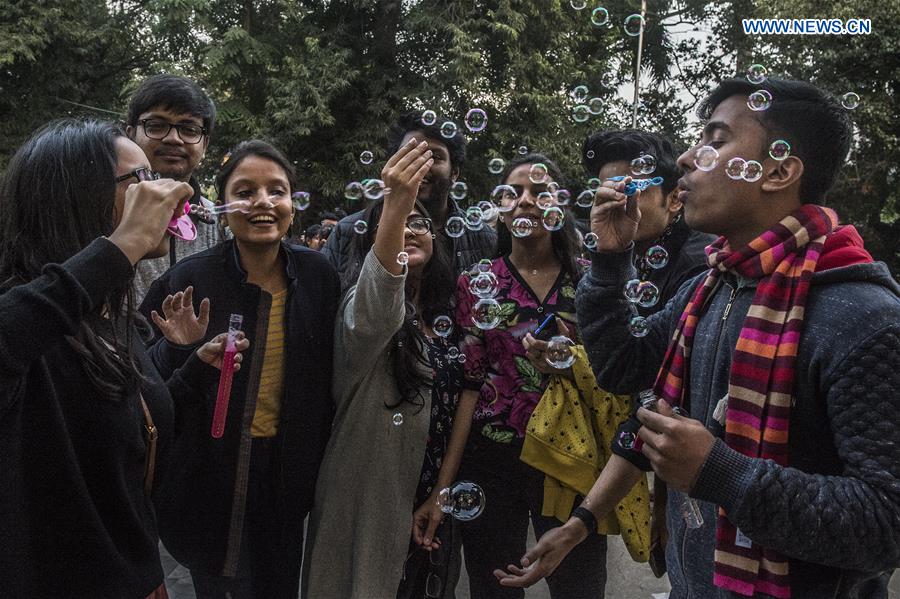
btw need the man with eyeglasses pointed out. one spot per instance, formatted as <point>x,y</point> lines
<point>171,118</point>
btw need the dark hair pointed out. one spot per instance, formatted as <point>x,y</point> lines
<point>603,147</point>
<point>312,231</point>
<point>245,149</point>
<point>57,197</point>
<point>329,215</point>
<point>412,121</point>
<point>171,92</point>
<point>437,289</point>
<point>813,122</point>
<point>565,240</point>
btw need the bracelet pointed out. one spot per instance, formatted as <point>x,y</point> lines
<point>587,517</point>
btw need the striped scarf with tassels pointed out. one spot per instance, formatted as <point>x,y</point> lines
<point>761,381</point>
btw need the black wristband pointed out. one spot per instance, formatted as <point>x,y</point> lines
<point>587,517</point>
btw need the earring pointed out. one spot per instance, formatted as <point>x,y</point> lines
<point>433,236</point>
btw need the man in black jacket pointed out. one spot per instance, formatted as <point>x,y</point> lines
<point>608,154</point>
<point>449,154</point>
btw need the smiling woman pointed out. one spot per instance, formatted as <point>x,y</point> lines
<point>222,512</point>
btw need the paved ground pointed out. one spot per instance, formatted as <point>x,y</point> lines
<point>627,579</point>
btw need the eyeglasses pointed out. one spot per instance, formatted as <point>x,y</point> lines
<point>157,129</point>
<point>419,226</point>
<point>141,174</point>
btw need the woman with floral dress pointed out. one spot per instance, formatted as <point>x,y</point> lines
<point>505,375</point>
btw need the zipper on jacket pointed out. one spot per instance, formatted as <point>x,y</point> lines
<point>727,311</point>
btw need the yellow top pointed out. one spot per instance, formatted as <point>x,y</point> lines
<point>271,384</point>
<point>568,439</point>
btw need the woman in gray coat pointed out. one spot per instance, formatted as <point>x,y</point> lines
<point>396,380</point>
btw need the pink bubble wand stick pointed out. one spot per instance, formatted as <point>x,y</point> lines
<point>218,423</point>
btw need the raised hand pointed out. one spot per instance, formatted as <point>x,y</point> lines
<point>614,216</point>
<point>403,174</point>
<point>180,324</point>
<point>149,206</point>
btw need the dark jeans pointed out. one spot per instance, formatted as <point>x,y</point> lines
<point>262,572</point>
<point>513,492</point>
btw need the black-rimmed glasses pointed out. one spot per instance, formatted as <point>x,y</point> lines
<point>141,174</point>
<point>418,225</point>
<point>157,129</point>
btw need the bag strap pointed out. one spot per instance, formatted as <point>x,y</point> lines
<point>152,435</point>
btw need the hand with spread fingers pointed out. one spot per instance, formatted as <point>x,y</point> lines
<point>542,560</point>
<point>677,446</point>
<point>180,324</point>
<point>615,216</point>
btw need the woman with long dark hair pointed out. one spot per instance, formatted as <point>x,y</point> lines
<point>395,387</point>
<point>533,277</point>
<point>233,506</point>
<point>84,415</point>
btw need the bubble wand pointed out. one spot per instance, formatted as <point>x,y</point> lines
<point>221,410</point>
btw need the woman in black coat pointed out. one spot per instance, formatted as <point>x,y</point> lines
<point>232,509</point>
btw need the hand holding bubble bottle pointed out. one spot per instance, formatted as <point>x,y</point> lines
<point>690,509</point>
<point>226,376</point>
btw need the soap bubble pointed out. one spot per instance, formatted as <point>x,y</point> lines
<point>545,200</point>
<point>594,183</point>
<point>559,352</point>
<point>632,290</point>
<point>474,218</point>
<point>521,227</point>
<point>780,149</point>
<point>578,4</point>
<point>649,164</point>
<point>638,326</point>
<point>476,120</point>
<point>553,218</point>
<point>461,358</point>
<point>585,199</point>
<point>756,73</point>
<point>448,129</point>
<point>638,166</point>
<point>595,106</point>
<point>484,265</point>
<point>397,419</point>
<point>374,189</point>
<point>590,241</point>
<point>758,101</point>
<point>484,285</point>
<point>300,200</point>
<point>442,326</point>
<point>486,314</point>
<point>734,168</point>
<point>489,212</point>
<point>360,227</point>
<point>459,190</point>
<point>523,150</point>
<point>455,226</point>
<point>537,174</point>
<point>752,171</point>
<point>463,500</point>
<point>504,197</point>
<point>366,157</point>
<point>706,158</point>
<point>850,100</point>
<point>633,25</point>
<point>563,197</point>
<point>656,257</point>
<point>589,154</point>
<point>580,94</point>
<point>581,113</point>
<point>429,117</point>
<point>648,294</point>
<point>599,17</point>
<point>495,166</point>
<point>402,258</point>
<point>353,191</point>
<point>453,353</point>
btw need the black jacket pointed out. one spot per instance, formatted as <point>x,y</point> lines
<point>202,500</point>
<point>465,250</point>
<point>74,520</point>
<point>835,512</point>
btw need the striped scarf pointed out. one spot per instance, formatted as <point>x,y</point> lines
<point>761,381</point>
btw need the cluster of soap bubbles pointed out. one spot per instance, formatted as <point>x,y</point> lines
<point>645,164</point>
<point>585,108</point>
<point>600,18</point>
<point>706,158</point>
<point>749,170</point>
<point>371,189</point>
<point>475,121</point>
<point>762,99</point>
<point>463,500</point>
